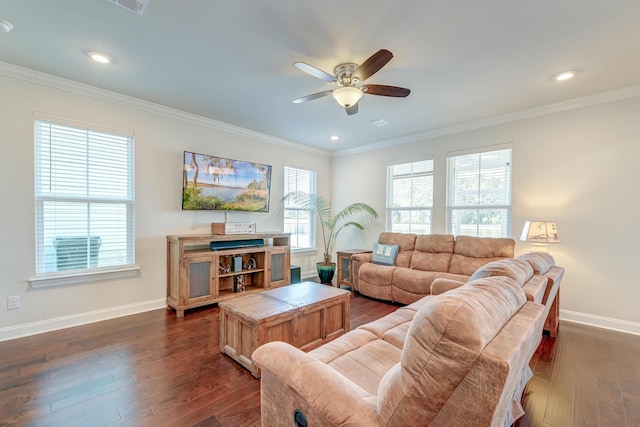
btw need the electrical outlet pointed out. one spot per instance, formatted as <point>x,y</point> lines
<point>13,303</point>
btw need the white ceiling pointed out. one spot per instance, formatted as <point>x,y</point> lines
<point>464,60</point>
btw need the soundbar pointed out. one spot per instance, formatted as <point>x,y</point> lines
<point>236,244</point>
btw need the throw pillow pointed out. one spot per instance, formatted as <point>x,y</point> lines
<point>384,254</point>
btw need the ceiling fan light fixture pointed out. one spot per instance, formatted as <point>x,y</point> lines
<point>347,96</point>
<point>5,26</point>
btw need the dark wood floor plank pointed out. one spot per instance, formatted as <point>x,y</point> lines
<point>153,369</point>
<point>535,403</point>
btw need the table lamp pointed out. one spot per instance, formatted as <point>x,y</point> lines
<point>540,233</point>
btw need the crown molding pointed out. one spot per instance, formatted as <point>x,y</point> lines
<point>56,82</point>
<point>27,74</point>
<point>572,104</point>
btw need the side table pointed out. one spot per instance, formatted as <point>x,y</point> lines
<point>345,268</point>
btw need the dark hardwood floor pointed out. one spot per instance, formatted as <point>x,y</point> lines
<point>153,369</point>
<point>585,377</point>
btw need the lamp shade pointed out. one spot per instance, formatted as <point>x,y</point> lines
<point>540,232</point>
<point>347,96</point>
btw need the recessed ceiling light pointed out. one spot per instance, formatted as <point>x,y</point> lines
<point>566,75</point>
<point>335,137</point>
<point>5,26</point>
<point>99,57</point>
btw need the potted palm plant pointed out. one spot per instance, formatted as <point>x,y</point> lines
<point>331,224</point>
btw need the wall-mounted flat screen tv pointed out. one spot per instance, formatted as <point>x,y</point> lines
<point>216,183</point>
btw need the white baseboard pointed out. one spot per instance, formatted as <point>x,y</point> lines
<point>600,322</point>
<point>19,331</point>
<point>309,275</point>
<point>48,325</point>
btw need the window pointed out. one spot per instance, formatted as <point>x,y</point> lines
<point>479,194</point>
<point>410,197</point>
<point>84,200</point>
<point>300,223</point>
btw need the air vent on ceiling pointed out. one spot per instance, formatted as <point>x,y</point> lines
<point>137,6</point>
<point>379,122</point>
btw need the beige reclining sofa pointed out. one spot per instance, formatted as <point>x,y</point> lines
<point>455,359</point>
<point>420,260</point>
<point>537,274</point>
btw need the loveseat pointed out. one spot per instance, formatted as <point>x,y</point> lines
<point>422,259</point>
<point>455,359</point>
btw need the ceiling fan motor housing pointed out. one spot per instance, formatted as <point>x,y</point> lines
<point>344,74</point>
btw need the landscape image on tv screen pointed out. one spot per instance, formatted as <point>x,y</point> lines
<point>216,183</point>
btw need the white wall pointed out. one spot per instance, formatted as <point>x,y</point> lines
<point>579,167</point>
<point>160,138</point>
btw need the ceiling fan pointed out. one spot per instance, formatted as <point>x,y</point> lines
<point>349,77</point>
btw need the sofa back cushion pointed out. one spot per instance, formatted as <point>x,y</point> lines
<point>518,270</point>
<point>540,262</point>
<point>471,253</point>
<point>445,339</point>
<point>405,241</point>
<point>432,252</point>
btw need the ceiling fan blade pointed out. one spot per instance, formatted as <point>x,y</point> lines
<point>312,96</point>
<point>352,110</point>
<point>315,72</point>
<point>398,92</point>
<point>373,64</point>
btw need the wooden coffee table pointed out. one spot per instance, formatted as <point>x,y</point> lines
<point>305,315</point>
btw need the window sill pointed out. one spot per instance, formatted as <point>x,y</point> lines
<point>85,277</point>
<point>304,251</point>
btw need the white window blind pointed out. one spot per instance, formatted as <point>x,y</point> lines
<point>300,223</point>
<point>410,197</point>
<point>84,198</point>
<point>479,194</point>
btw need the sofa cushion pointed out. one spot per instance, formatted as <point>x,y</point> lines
<point>518,270</point>
<point>381,326</point>
<point>361,357</point>
<point>393,327</point>
<point>414,281</point>
<point>484,247</point>
<point>471,253</point>
<point>406,241</point>
<point>540,262</point>
<point>384,254</point>
<point>441,285</point>
<point>443,343</point>
<point>432,253</point>
<point>535,289</point>
<point>375,280</point>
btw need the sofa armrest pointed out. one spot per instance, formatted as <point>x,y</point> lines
<point>442,285</point>
<point>292,379</point>
<point>356,261</point>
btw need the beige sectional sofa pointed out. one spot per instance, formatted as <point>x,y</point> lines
<point>535,272</point>
<point>544,265</point>
<point>455,359</point>
<point>421,260</point>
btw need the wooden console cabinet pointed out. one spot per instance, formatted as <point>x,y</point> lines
<point>198,276</point>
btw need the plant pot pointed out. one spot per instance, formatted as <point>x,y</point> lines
<point>326,272</point>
